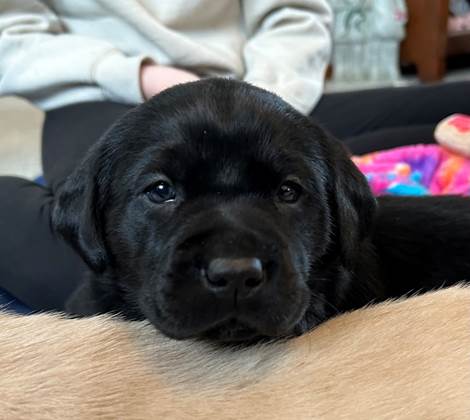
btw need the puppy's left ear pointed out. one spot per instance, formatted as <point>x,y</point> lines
<point>77,211</point>
<point>354,204</point>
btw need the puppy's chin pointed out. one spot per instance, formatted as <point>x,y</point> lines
<point>232,331</point>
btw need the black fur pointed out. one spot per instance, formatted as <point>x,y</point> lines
<point>227,147</point>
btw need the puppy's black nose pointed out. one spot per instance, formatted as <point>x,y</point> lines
<point>225,275</point>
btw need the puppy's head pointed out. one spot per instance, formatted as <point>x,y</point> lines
<point>215,209</point>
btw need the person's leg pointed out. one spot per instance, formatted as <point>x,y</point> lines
<point>389,138</point>
<point>35,266</point>
<point>70,131</point>
<point>351,114</point>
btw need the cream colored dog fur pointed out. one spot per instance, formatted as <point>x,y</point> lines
<point>402,360</point>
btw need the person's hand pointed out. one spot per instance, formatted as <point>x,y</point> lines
<point>155,78</point>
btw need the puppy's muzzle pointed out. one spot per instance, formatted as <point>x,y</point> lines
<point>231,276</point>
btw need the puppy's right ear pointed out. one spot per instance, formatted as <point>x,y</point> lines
<point>352,202</point>
<point>77,211</point>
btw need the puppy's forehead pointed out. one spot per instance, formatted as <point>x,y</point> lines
<point>221,129</point>
<point>224,152</point>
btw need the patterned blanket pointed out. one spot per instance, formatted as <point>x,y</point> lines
<point>416,170</point>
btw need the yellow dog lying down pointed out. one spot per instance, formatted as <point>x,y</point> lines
<point>407,359</point>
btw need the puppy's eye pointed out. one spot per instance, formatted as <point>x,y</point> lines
<point>161,192</point>
<point>289,192</point>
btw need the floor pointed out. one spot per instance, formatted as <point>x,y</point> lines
<point>20,138</point>
<point>21,126</point>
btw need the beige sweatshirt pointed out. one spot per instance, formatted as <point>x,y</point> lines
<point>58,52</point>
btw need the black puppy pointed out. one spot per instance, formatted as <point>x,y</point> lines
<point>217,210</point>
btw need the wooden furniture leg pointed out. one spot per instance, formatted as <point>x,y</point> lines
<point>426,38</point>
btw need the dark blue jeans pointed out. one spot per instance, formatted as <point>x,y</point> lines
<point>10,303</point>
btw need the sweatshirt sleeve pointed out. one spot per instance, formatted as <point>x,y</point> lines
<point>41,62</point>
<point>288,48</point>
